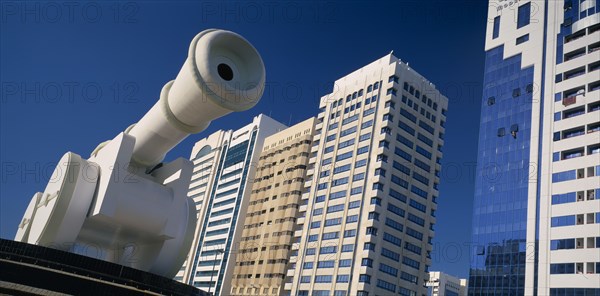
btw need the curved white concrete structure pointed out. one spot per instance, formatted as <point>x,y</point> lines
<point>122,205</point>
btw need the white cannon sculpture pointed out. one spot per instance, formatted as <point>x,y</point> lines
<point>122,204</point>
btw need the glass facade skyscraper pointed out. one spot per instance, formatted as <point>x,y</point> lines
<point>224,166</point>
<point>537,192</point>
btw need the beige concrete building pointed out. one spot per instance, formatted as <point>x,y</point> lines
<point>367,222</point>
<point>267,237</point>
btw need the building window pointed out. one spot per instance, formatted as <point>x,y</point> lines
<point>320,198</point>
<point>317,212</point>
<point>345,263</point>
<point>330,235</point>
<point>392,239</point>
<point>380,172</point>
<point>369,246</point>
<point>340,181</point>
<point>412,248</point>
<point>323,279</point>
<point>372,231</point>
<point>335,208</point>
<point>374,216</point>
<point>523,39</point>
<point>342,278</point>
<point>568,5</point>
<point>347,248</point>
<point>524,13</point>
<point>364,137</point>
<point>376,201</point>
<point>352,218</point>
<point>516,92</point>
<point>352,205</point>
<point>350,233</point>
<point>496,31</point>
<point>514,129</point>
<point>326,264</point>
<point>358,177</point>
<point>386,285</point>
<point>529,88</point>
<point>501,132</point>
<point>562,268</point>
<point>332,222</point>
<point>364,278</point>
<point>362,150</point>
<point>388,269</point>
<point>410,262</point>
<point>367,262</point>
<point>355,190</point>
<point>328,250</point>
<point>396,210</point>
<point>410,278</point>
<point>390,254</point>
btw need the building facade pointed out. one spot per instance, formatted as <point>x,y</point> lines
<point>368,214</point>
<point>443,284</point>
<point>267,237</point>
<point>224,165</point>
<point>537,193</point>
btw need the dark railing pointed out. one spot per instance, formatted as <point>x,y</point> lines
<point>55,270</point>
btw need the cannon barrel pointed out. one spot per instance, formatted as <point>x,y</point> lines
<point>223,73</point>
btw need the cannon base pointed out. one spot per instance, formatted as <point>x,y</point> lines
<point>27,269</point>
<point>108,208</point>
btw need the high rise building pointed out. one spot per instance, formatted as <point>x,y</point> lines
<point>265,245</point>
<point>367,217</point>
<point>443,284</point>
<point>537,208</point>
<point>224,166</point>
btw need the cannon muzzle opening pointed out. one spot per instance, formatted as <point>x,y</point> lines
<point>223,73</point>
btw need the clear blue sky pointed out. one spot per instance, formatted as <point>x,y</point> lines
<point>74,75</point>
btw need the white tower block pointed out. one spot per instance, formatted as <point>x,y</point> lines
<point>122,205</point>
